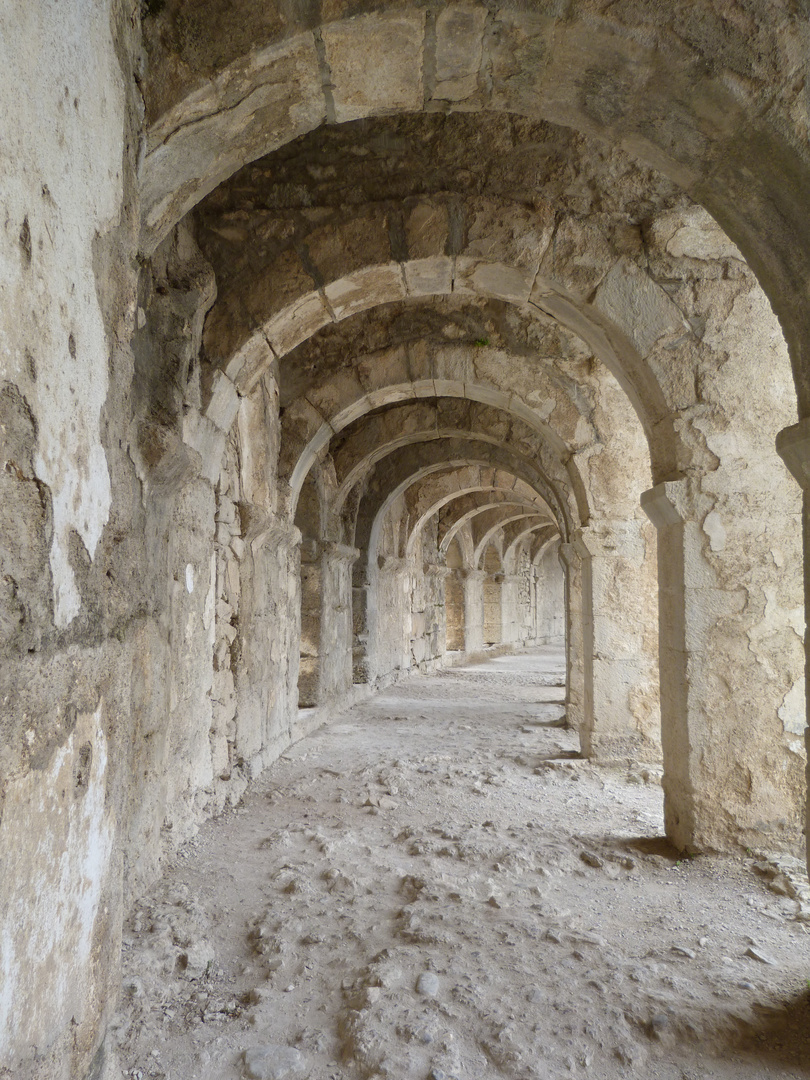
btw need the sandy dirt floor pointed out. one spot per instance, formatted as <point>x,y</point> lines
<point>436,886</point>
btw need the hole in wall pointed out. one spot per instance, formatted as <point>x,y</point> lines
<point>81,769</point>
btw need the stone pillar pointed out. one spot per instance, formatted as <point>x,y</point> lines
<point>268,640</point>
<point>360,599</point>
<point>474,610</point>
<point>454,611</point>
<point>619,643</point>
<point>309,653</point>
<point>548,592</point>
<point>511,619</point>
<point>434,631</point>
<point>578,626</point>
<point>336,633</point>
<point>382,608</point>
<point>793,446</point>
<point>534,617</point>
<point>726,774</point>
<point>492,626</point>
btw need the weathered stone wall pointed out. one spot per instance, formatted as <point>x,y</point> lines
<point>503,291</point>
<point>76,625</point>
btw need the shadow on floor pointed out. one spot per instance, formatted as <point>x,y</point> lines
<point>778,1039</point>
<point>653,845</point>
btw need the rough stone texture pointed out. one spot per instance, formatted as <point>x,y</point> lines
<point>68,549</point>
<point>333,338</point>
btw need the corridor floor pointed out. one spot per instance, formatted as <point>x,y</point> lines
<point>436,886</point>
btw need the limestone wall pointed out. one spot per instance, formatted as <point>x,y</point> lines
<point>76,608</point>
<point>443,343</point>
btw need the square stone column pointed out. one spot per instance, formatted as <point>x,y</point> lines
<point>473,610</point>
<point>336,632</point>
<point>454,611</point>
<point>267,643</point>
<point>619,644</point>
<point>578,658</point>
<point>511,619</point>
<point>793,446</point>
<point>726,772</point>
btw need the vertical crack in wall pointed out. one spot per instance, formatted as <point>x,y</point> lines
<point>327,86</point>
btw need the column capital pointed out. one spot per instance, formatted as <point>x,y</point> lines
<point>265,530</point>
<point>665,504</point>
<point>339,552</point>
<point>793,447</point>
<point>436,570</point>
<point>570,556</point>
<point>470,574</point>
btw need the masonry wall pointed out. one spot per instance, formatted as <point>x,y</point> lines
<point>150,582</point>
<point>76,613</point>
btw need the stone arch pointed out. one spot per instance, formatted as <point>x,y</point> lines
<point>670,105</point>
<point>485,425</point>
<point>493,530</point>
<point>403,471</point>
<point>740,200</point>
<point>441,504</point>
<point>319,430</point>
<point>507,504</point>
<point>523,535</point>
<point>614,338</point>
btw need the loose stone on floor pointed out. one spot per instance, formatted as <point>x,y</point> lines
<point>436,885</point>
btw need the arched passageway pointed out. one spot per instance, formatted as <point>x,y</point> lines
<point>318,373</point>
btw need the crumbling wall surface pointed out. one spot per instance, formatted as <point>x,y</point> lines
<point>738,557</point>
<point>74,603</point>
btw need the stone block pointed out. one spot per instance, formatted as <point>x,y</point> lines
<point>297,322</point>
<point>517,236</point>
<point>427,229</point>
<point>223,404</point>
<point>272,287</point>
<point>431,276</point>
<point>520,48</point>
<point>222,687</point>
<point>481,278</point>
<point>203,436</point>
<point>418,649</point>
<point>226,511</point>
<point>245,366</point>
<point>619,74</point>
<point>639,307</point>
<point>691,232</point>
<point>219,755</point>
<point>338,250</point>
<point>364,86</point>
<point>459,31</point>
<point>365,289</point>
